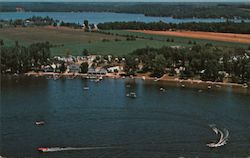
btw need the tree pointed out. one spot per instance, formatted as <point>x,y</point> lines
<point>84,67</point>
<point>1,42</point>
<point>85,52</point>
<point>62,67</point>
<point>159,64</point>
<point>130,65</point>
<point>86,23</point>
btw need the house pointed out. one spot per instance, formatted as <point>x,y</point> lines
<point>92,71</point>
<point>115,68</point>
<point>47,68</point>
<point>103,72</point>
<point>73,68</point>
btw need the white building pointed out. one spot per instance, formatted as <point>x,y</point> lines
<point>115,68</point>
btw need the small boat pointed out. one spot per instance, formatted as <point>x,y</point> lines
<point>245,85</point>
<point>156,79</point>
<point>43,149</point>
<point>183,86</point>
<point>39,122</point>
<point>86,88</point>
<point>50,149</point>
<point>162,89</point>
<point>143,78</point>
<point>218,86</point>
<point>131,95</point>
<point>209,87</point>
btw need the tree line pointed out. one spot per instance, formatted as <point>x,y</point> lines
<point>21,59</point>
<point>207,62</point>
<point>224,27</point>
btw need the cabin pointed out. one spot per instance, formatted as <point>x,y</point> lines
<point>115,68</point>
<point>73,68</point>
<point>92,71</point>
<point>47,68</point>
<point>103,72</point>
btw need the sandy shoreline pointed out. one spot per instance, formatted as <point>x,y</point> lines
<point>190,83</point>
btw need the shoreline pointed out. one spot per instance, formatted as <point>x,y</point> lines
<point>189,83</point>
<point>163,81</point>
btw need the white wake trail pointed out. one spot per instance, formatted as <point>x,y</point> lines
<point>223,137</point>
<point>57,149</point>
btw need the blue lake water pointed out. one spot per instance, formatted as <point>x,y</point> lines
<point>94,17</point>
<point>156,124</point>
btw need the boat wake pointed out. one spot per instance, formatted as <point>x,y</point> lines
<point>224,135</point>
<point>57,149</point>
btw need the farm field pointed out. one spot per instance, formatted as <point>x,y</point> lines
<point>73,41</point>
<point>225,37</point>
<point>177,39</point>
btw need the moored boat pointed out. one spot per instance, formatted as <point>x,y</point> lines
<point>39,122</point>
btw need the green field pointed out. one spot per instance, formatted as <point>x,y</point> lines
<point>74,41</point>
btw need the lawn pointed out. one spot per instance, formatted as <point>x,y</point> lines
<point>73,41</point>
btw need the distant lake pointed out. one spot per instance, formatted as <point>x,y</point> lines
<point>174,123</point>
<point>97,17</point>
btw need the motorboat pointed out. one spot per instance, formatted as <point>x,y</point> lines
<point>131,95</point>
<point>39,122</point>
<point>50,149</point>
<point>162,89</point>
<point>245,85</point>
<point>86,88</point>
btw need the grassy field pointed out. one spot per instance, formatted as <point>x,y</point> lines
<point>73,41</point>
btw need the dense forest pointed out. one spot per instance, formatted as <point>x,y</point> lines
<point>225,27</point>
<point>175,10</point>
<point>20,59</point>
<point>207,62</point>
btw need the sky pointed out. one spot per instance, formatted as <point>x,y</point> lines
<point>125,1</point>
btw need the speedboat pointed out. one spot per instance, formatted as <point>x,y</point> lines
<point>43,149</point>
<point>50,149</point>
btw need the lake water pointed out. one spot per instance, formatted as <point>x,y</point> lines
<point>156,124</point>
<point>94,17</point>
